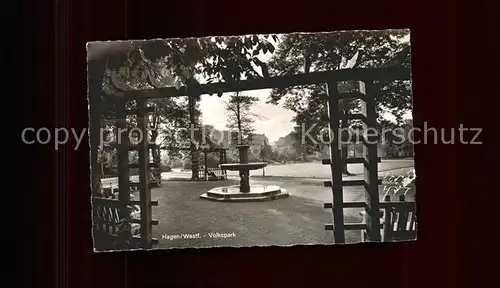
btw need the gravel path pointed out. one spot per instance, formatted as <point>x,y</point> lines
<point>296,220</point>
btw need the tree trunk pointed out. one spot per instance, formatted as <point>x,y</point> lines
<point>304,151</point>
<point>192,146</point>
<point>155,152</point>
<point>238,116</point>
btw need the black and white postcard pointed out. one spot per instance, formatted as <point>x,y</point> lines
<point>251,140</point>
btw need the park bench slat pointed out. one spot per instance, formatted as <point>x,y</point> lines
<point>400,220</point>
<point>354,204</point>
<point>106,220</point>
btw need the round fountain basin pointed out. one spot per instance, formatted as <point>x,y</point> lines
<point>257,193</point>
<point>243,166</point>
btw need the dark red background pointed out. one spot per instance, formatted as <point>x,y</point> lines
<point>452,82</point>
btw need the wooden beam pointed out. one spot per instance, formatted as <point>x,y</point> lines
<point>275,82</point>
<point>370,153</point>
<point>328,184</point>
<point>355,226</point>
<point>398,205</point>
<point>144,190</point>
<point>354,204</point>
<point>335,161</point>
<point>346,205</point>
<point>360,160</point>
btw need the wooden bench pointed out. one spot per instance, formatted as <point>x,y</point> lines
<point>107,223</point>
<point>213,173</point>
<point>398,220</point>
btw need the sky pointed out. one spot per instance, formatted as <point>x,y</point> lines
<point>276,121</point>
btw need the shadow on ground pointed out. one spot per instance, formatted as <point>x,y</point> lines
<point>291,221</point>
<point>296,220</point>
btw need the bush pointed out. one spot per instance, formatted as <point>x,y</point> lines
<point>187,165</point>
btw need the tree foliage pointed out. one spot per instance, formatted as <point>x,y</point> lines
<point>161,63</point>
<point>240,118</point>
<point>180,62</point>
<point>302,53</point>
<point>187,61</point>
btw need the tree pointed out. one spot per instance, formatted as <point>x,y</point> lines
<point>266,151</point>
<point>301,53</point>
<point>240,117</point>
<point>187,61</point>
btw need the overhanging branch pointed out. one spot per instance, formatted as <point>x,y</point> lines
<point>274,82</point>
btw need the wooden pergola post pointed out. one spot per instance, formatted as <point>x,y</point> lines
<point>370,154</point>
<point>335,163</point>
<point>144,188</point>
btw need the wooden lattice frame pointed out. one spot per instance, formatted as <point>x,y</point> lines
<point>371,181</point>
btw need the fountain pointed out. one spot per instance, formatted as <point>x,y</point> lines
<point>244,192</point>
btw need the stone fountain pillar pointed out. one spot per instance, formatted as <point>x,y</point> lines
<point>244,191</point>
<point>244,173</point>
